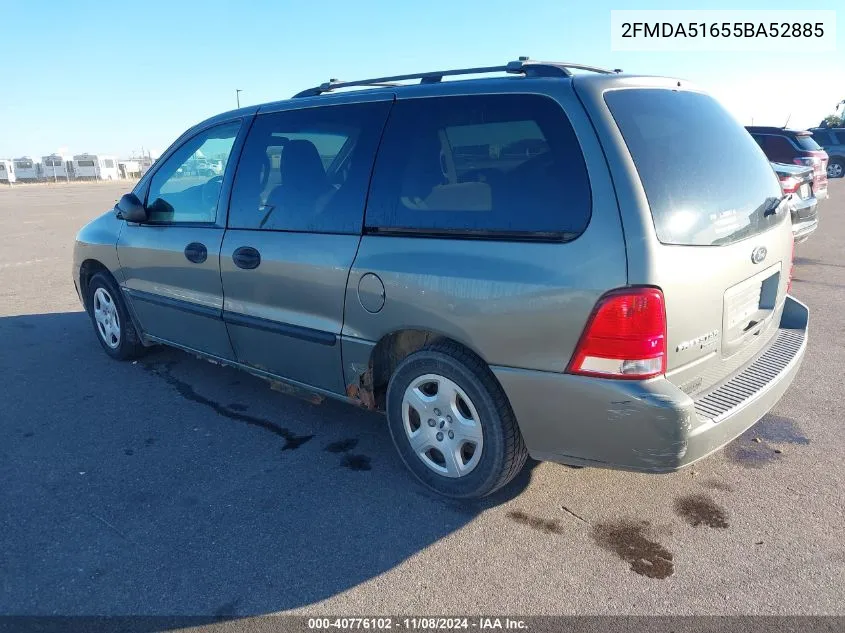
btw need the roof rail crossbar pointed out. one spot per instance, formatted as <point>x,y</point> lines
<point>523,66</point>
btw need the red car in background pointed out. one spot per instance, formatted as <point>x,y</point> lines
<point>797,147</point>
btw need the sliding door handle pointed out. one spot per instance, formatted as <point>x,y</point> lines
<point>246,257</point>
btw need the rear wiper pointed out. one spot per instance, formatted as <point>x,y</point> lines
<point>773,208</point>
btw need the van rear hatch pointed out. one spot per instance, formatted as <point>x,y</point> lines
<point>723,248</point>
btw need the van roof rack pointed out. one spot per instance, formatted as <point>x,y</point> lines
<point>523,66</point>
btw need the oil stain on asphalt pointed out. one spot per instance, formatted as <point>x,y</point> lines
<point>753,449</point>
<point>356,462</point>
<point>746,453</point>
<point>780,430</point>
<point>548,526</point>
<point>350,461</point>
<point>628,540</point>
<point>165,371</point>
<point>701,510</point>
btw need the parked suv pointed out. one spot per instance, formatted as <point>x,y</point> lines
<point>567,266</point>
<point>796,182</point>
<point>797,147</point>
<point>832,140</point>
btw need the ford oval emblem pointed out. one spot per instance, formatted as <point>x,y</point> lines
<point>759,254</point>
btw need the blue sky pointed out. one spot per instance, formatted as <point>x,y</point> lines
<point>112,77</point>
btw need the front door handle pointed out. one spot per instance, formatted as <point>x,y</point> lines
<point>196,252</point>
<point>246,257</point>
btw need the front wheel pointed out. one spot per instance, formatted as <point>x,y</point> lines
<point>835,168</point>
<point>110,318</point>
<point>452,424</point>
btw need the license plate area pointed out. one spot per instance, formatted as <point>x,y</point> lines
<point>804,191</point>
<point>748,308</point>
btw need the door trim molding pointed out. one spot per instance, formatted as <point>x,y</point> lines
<point>176,304</point>
<point>321,337</point>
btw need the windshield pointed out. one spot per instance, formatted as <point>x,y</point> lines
<point>807,143</point>
<point>706,180</point>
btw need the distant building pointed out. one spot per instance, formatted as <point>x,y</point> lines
<point>26,169</point>
<point>7,171</point>
<point>57,167</point>
<point>95,167</point>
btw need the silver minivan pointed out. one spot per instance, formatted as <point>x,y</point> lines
<point>551,260</point>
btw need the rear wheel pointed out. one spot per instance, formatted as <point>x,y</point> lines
<point>452,424</point>
<point>835,168</point>
<point>110,318</point>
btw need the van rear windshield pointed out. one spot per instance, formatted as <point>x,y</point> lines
<point>707,181</point>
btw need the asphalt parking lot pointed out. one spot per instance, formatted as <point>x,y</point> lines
<point>173,486</point>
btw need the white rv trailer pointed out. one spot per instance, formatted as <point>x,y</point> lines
<point>129,168</point>
<point>57,167</point>
<point>7,171</point>
<point>26,169</point>
<point>95,167</point>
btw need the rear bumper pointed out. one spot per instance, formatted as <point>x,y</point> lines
<point>652,425</point>
<point>805,217</point>
<point>803,229</point>
<point>802,210</point>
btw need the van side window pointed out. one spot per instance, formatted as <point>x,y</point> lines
<point>187,185</point>
<point>307,170</point>
<point>486,165</point>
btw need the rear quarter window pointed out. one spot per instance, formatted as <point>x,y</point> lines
<point>495,166</point>
<point>706,179</point>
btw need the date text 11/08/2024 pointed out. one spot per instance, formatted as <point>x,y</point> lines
<point>417,624</point>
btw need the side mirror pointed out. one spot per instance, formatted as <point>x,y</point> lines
<point>131,209</point>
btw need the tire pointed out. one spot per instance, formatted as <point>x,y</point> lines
<point>836,168</point>
<point>115,330</point>
<point>455,370</point>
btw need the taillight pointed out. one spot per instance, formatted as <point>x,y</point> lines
<point>789,184</point>
<point>625,336</point>
<point>809,161</point>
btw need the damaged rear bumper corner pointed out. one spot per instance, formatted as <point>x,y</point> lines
<point>649,426</point>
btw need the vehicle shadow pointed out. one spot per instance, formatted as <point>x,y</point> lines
<point>170,486</point>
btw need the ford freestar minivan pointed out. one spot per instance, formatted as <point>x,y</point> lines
<point>555,260</point>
